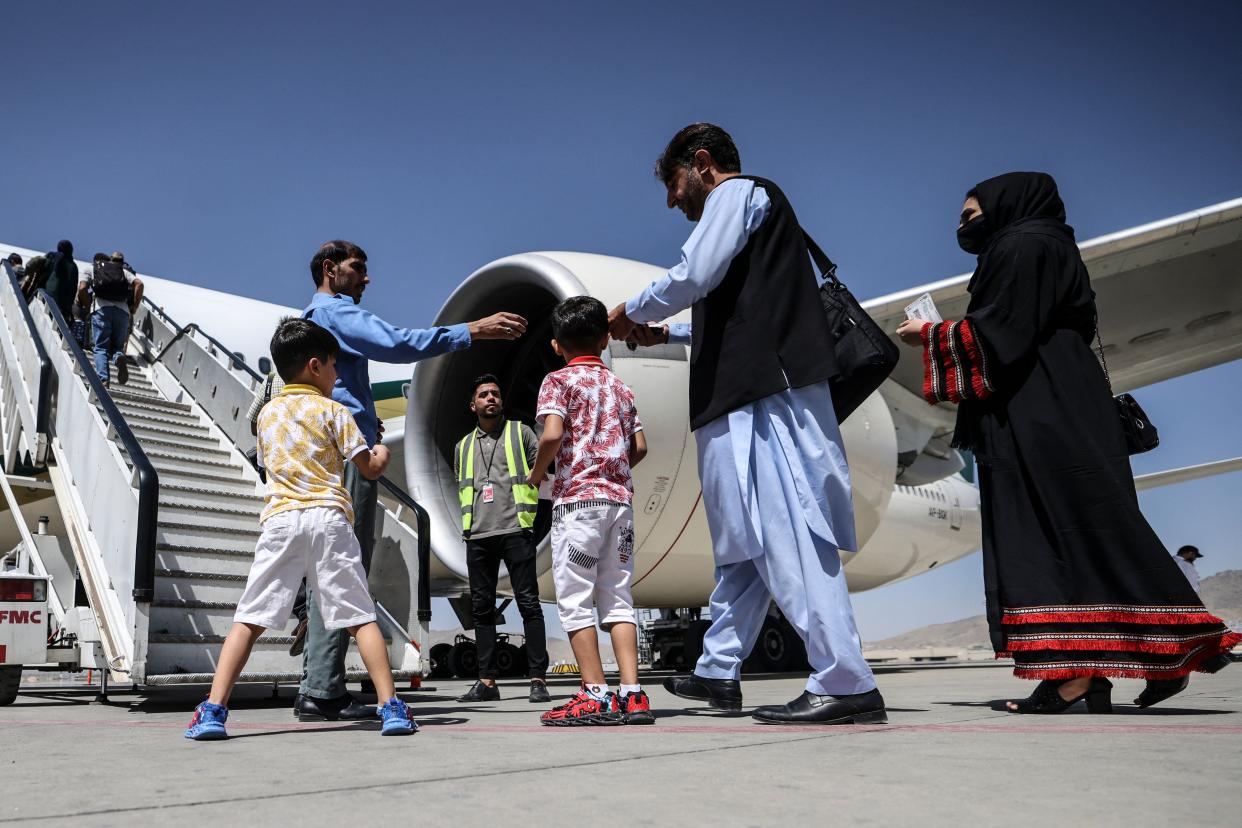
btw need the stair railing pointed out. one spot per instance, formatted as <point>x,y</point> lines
<point>26,380</point>
<point>216,386</point>
<point>423,523</point>
<point>115,509</point>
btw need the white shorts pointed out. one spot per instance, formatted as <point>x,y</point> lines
<point>318,544</point>
<point>592,563</point>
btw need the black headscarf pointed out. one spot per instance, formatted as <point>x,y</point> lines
<point>1030,276</point>
<point>1021,202</point>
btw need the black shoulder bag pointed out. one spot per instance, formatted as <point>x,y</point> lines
<point>1141,435</point>
<point>865,354</point>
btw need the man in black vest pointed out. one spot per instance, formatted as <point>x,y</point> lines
<point>775,480</point>
<point>498,511</point>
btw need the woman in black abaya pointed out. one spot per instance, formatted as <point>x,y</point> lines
<point>1079,588</point>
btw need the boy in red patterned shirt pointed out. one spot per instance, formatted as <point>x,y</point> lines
<point>591,429</point>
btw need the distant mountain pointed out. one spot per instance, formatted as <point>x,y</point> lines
<point>1222,593</point>
<point>966,633</point>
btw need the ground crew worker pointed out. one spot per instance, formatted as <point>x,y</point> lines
<point>498,510</point>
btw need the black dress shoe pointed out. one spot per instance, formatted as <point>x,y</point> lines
<point>722,694</point>
<point>539,692</point>
<point>810,708</point>
<point>342,708</point>
<point>480,692</point>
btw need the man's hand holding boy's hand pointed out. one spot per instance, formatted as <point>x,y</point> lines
<point>536,477</point>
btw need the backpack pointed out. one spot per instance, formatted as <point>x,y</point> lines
<point>109,282</point>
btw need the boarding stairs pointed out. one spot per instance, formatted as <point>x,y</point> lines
<point>160,502</point>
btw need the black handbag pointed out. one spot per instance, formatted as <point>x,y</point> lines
<point>1140,433</point>
<point>865,355</point>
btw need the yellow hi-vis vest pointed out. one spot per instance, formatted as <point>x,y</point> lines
<point>525,496</point>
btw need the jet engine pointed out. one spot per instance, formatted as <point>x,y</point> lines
<point>673,564</point>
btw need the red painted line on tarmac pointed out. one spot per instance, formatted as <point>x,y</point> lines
<point>754,729</point>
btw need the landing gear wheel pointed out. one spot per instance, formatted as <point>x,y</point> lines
<point>464,660</point>
<point>778,648</point>
<point>506,655</point>
<point>10,680</point>
<point>439,656</point>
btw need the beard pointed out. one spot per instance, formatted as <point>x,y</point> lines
<point>696,196</point>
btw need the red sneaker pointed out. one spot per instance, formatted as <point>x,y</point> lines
<point>585,709</point>
<point>636,709</point>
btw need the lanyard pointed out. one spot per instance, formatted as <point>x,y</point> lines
<point>487,475</point>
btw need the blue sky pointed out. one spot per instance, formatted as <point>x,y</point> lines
<point>219,143</point>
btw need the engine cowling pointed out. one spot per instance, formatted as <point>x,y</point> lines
<point>673,563</point>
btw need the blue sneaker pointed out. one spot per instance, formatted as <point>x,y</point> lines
<point>397,719</point>
<point>208,723</point>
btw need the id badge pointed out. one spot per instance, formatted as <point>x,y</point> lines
<point>489,493</point>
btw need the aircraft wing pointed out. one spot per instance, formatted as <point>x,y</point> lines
<point>1169,296</point>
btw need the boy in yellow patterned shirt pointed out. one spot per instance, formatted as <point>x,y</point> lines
<point>305,439</point>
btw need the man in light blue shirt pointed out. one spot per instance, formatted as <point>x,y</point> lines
<point>776,485</point>
<point>339,270</point>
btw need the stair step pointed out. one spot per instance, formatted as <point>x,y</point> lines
<point>184,659</point>
<point>164,436</point>
<point>198,654</point>
<point>180,584</point>
<point>162,418</point>
<point>208,517</point>
<point>162,460</point>
<point>225,485</point>
<point>192,619</point>
<point>251,531</point>
<point>181,490</point>
<point>127,390</point>
<point>185,449</point>
<point>174,431</point>
<point>239,540</point>
<point>148,403</point>
<point>214,560</point>
<point>136,388</point>
<point>222,486</point>
<point>352,673</point>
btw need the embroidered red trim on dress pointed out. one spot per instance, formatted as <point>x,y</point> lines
<point>929,372</point>
<point>1129,669</point>
<point>1108,644</point>
<point>980,382</point>
<point>951,368</point>
<point>1105,614</point>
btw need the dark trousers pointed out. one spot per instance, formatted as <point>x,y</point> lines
<point>323,660</point>
<point>483,558</point>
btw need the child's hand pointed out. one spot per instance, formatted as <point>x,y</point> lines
<point>536,477</point>
<point>382,456</point>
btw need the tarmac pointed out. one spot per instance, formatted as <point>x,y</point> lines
<point>948,756</point>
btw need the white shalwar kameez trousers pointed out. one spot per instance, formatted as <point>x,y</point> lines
<point>776,485</point>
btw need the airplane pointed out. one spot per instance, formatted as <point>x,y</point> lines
<point>916,506</point>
